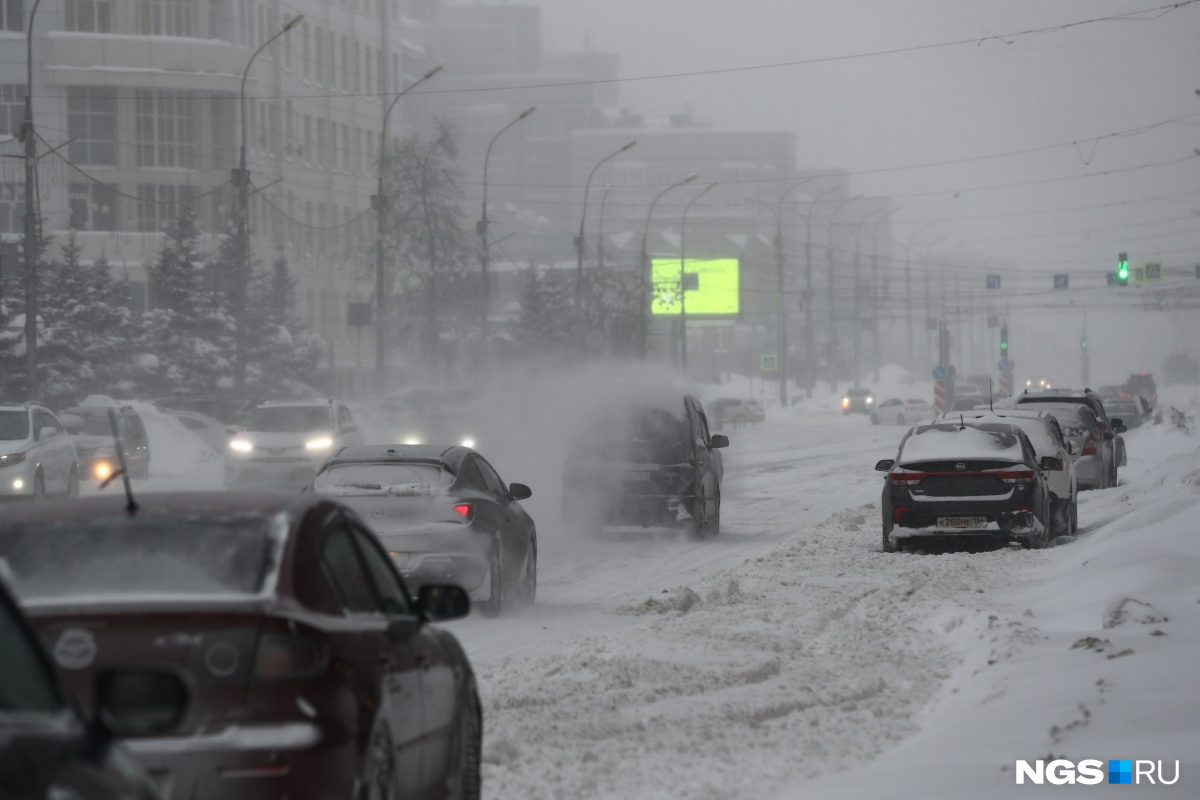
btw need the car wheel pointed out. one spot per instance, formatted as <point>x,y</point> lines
<point>886,545</point>
<point>714,524</point>
<point>1075,517</point>
<point>73,483</point>
<point>379,767</point>
<point>495,602</point>
<point>39,486</point>
<point>874,418</point>
<point>467,782</point>
<point>697,526</point>
<point>527,592</point>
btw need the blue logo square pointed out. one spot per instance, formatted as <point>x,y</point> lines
<point>1120,771</point>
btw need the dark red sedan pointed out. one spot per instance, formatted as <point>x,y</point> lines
<point>313,673</point>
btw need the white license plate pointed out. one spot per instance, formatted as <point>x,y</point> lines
<point>962,523</point>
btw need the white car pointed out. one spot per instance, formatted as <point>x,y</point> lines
<point>37,456</point>
<point>284,443</point>
<point>1047,438</point>
<point>895,411</point>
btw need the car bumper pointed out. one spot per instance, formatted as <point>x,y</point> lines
<point>440,553</point>
<point>1003,518</point>
<point>639,510</point>
<point>294,472</point>
<point>17,481</point>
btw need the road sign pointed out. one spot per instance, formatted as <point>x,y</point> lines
<point>1004,365</point>
<point>770,363</point>
<point>939,373</point>
<point>1061,282</point>
<point>1139,273</point>
<point>993,281</point>
<point>1154,271</point>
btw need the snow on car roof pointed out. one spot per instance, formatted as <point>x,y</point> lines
<point>945,441</point>
<point>1032,422</point>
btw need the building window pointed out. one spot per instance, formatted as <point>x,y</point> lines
<point>224,131</point>
<point>165,17</point>
<point>305,55</point>
<point>12,207</point>
<point>92,125</point>
<point>158,206</point>
<point>164,129</point>
<point>12,108</point>
<point>93,207</point>
<point>12,15</point>
<point>89,16</point>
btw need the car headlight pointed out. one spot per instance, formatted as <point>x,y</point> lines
<point>468,442</point>
<point>870,400</point>
<point>845,402</point>
<point>241,445</point>
<point>11,459</point>
<point>18,484</point>
<point>319,443</point>
<point>412,439</point>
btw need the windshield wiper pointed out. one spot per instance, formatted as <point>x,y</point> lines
<point>374,486</point>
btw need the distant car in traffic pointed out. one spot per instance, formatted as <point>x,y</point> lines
<point>37,457</point>
<point>957,482</point>
<point>1094,461</point>
<point>1133,411</point>
<point>96,450</point>
<point>50,749</point>
<point>735,411</point>
<point>1037,384</point>
<point>895,411</point>
<point>1142,383</point>
<point>858,401</point>
<point>646,466</point>
<point>214,433</point>
<point>444,515</point>
<point>313,672</point>
<point>283,444</point>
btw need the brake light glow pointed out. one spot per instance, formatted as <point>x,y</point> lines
<point>1016,476</point>
<point>463,511</point>
<point>285,656</point>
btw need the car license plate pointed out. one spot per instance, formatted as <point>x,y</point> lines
<point>962,523</point>
<point>638,476</point>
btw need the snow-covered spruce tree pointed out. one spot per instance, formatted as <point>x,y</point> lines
<point>87,330</point>
<point>12,324</point>
<point>545,323</point>
<point>281,362</point>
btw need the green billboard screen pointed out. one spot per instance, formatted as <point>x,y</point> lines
<point>712,286</point>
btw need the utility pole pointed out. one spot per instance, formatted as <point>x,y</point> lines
<point>32,214</point>
<point>781,313</point>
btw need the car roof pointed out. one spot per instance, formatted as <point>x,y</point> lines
<point>451,456</point>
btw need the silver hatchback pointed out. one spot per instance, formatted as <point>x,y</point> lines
<point>37,457</point>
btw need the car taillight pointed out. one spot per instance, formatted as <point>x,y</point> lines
<point>1089,447</point>
<point>1016,476</point>
<point>463,511</point>
<point>904,477</point>
<point>897,513</point>
<point>286,656</point>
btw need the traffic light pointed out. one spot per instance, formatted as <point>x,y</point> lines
<point>1004,341</point>
<point>1083,343</point>
<point>1122,270</point>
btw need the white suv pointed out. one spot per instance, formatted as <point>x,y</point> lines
<point>284,443</point>
<point>37,457</point>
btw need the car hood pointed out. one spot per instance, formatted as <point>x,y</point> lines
<point>86,443</point>
<point>12,446</point>
<point>275,440</point>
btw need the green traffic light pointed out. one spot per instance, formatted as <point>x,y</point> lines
<point>1084,343</point>
<point>1123,270</point>
<point>1004,345</point>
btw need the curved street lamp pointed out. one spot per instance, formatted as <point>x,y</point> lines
<point>380,203</point>
<point>31,218</point>
<point>482,229</point>
<point>682,284</point>
<point>241,179</point>
<point>580,245</point>
<point>643,294</point>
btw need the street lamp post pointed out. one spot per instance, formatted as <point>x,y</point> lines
<point>29,139</point>
<point>482,230</point>
<point>241,179</point>
<point>858,229</point>
<point>877,306</point>
<point>908,298</point>
<point>929,297</point>
<point>833,346</point>
<point>600,230</point>
<point>380,203</point>
<point>580,245</point>
<point>809,346</point>
<point>643,294</point>
<point>682,283</point>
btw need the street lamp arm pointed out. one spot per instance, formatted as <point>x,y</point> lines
<point>488,155</point>
<point>246,73</point>
<point>587,186</point>
<point>396,99</point>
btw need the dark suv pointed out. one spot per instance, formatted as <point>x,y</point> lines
<point>1142,384</point>
<point>647,466</point>
<point>954,481</point>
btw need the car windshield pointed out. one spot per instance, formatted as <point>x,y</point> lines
<point>858,393</point>
<point>27,686</point>
<point>1076,421</point>
<point>947,441</point>
<point>116,558</point>
<point>14,425</point>
<point>289,419</point>
<point>396,479</point>
<point>86,424</point>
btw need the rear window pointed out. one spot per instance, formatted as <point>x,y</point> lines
<point>289,419</point>
<point>396,479</point>
<point>645,436</point>
<point>114,559</point>
<point>14,425</point>
<point>949,442</point>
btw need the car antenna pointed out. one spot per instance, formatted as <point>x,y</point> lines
<point>962,423</point>
<point>131,505</point>
<point>990,406</point>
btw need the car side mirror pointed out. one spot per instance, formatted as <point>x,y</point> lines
<point>1118,425</point>
<point>139,702</point>
<point>885,464</point>
<point>1109,436</point>
<point>718,440</point>
<point>1048,462</point>
<point>519,491</point>
<point>442,602</point>
<point>47,433</point>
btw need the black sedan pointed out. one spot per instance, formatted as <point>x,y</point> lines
<point>313,672</point>
<point>444,515</point>
<point>955,481</point>
<point>48,747</point>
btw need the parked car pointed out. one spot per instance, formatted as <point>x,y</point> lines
<point>954,481</point>
<point>444,515</point>
<point>1142,383</point>
<point>1037,384</point>
<point>1133,411</point>
<point>214,433</point>
<point>283,444</point>
<point>37,457</point>
<point>50,749</point>
<point>314,673</point>
<point>968,402</point>
<point>895,411</point>
<point>858,401</point>
<point>96,451</point>
<point>735,411</point>
<point>1046,435</point>
<point>1088,398</point>
<point>1093,461</point>
<point>646,466</point>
